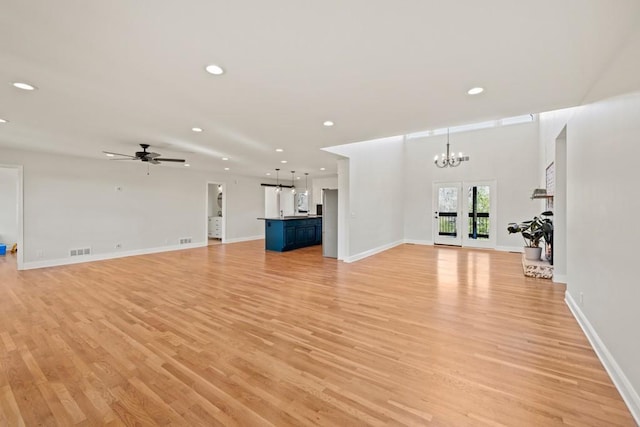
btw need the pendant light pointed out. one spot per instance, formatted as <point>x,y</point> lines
<point>293,187</point>
<point>278,188</point>
<point>306,183</point>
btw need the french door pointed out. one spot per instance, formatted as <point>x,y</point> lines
<point>464,213</point>
<point>447,211</point>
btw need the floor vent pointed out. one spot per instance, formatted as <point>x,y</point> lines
<point>80,252</point>
<point>185,241</point>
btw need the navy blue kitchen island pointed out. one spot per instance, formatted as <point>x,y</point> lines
<point>285,234</point>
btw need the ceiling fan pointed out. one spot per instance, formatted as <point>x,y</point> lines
<point>144,156</point>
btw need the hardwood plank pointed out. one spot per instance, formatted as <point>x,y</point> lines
<point>233,335</point>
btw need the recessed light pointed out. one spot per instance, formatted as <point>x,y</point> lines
<point>475,90</point>
<point>24,86</point>
<point>225,158</point>
<point>279,150</point>
<point>196,129</point>
<point>226,169</point>
<point>328,123</point>
<point>283,161</point>
<point>4,121</point>
<point>297,177</point>
<point>216,70</point>
<point>322,169</point>
<point>186,165</point>
<point>110,155</point>
<point>268,173</point>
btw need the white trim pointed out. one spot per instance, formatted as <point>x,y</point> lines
<point>373,251</point>
<point>244,239</point>
<point>435,203</point>
<point>491,242</point>
<point>224,210</point>
<point>102,257</point>
<point>418,242</point>
<point>622,383</point>
<point>559,278</point>
<point>518,249</point>
<point>20,207</point>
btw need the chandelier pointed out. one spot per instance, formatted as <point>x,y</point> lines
<point>449,159</point>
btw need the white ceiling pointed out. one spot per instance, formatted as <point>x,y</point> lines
<point>113,74</point>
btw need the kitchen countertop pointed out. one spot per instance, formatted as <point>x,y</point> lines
<point>292,218</point>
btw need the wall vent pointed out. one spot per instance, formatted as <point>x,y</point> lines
<point>185,240</point>
<point>80,252</point>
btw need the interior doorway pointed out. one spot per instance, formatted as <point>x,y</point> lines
<point>216,213</point>
<point>559,209</point>
<point>11,218</point>
<point>465,213</point>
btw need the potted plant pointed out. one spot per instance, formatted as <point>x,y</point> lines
<point>533,232</point>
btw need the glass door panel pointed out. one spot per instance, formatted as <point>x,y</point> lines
<point>447,205</point>
<point>479,211</point>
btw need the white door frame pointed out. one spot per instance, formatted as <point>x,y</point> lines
<point>490,243</point>
<point>224,211</point>
<point>446,240</point>
<point>462,222</point>
<point>20,208</point>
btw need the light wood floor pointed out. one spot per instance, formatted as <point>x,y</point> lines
<point>232,335</point>
<point>213,242</point>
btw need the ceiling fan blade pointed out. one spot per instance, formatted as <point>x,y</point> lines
<point>162,159</point>
<point>131,158</point>
<point>118,154</point>
<point>153,161</point>
<point>152,155</point>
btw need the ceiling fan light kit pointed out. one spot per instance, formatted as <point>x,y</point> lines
<point>143,156</point>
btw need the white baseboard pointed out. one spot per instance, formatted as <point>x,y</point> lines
<point>102,257</point>
<point>622,383</point>
<point>373,251</point>
<point>518,249</point>
<point>243,239</point>
<point>419,242</point>
<point>559,278</point>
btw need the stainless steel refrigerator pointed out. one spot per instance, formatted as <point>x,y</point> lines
<point>330,223</point>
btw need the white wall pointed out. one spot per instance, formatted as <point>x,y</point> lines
<point>507,154</point>
<point>287,205</point>
<point>560,210</point>
<point>551,125</point>
<point>8,206</point>
<point>317,185</point>
<point>553,148</point>
<point>602,198</point>
<point>211,202</point>
<point>271,202</point>
<point>376,195</point>
<point>73,203</point>
<point>343,209</point>
<point>602,181</point>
